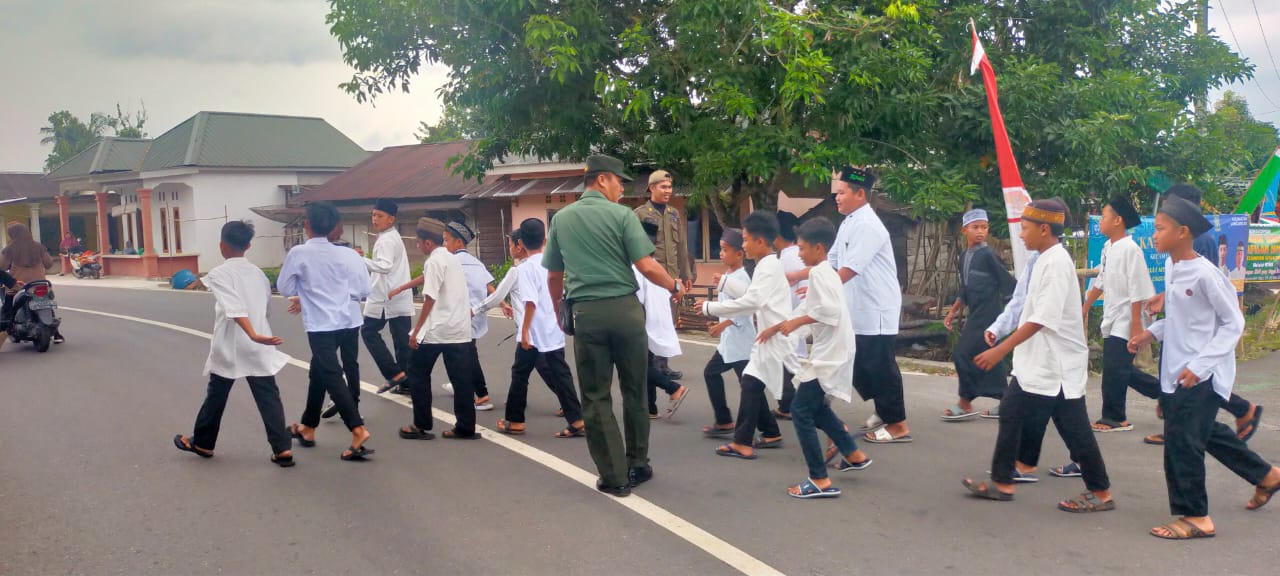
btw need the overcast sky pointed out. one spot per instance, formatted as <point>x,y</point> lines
<point>277,57</point>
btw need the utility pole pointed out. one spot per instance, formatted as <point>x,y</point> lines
<point>1201,100</point>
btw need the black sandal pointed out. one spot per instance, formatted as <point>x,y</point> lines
<point>282,461</point>
<point>354,454</point>
<point>179,442</point>
<point>453,435</point>
<point>989,492</point>
<point>571,432</point>
<point>297,435</point>
<point>416,433</point>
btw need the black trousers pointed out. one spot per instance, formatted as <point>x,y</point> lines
<point>657,378</point>
<point>975,382</point>
<point>713,374</point>
<point>788,392</point>
<point>754,413</point>
<point>553,369</point>
<point>1118,375</point>
<point>1190,430</point>
<point>876,376</point>
<point>265,394</point>
<point>326,376</point>
<point>456,361</point>
<point>477,371</point>
<point>390,366</point>
<point>1020,410</point>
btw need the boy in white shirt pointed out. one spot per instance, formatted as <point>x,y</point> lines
<point>768,298</point>
<point>827,370</point>
<point>479,285</point>
<point>1200,330</point>
<point>388,267</point>
<point>443,329</point>
<point>736,333</point>
<point>789,256</point>
<point>1051,366</point>
<point>664,343</point>
<point>242,347</point>
<point>1125,285</point>
<point>541,341</point>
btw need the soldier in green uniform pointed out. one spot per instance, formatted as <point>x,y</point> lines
<point>591,247</point>
<point>671,248</point>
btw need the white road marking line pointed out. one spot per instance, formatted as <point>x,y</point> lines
<point>709,543</point>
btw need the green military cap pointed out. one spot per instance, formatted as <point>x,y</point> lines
<point>601,163</point>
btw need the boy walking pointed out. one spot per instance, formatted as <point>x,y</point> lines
<point>389,267</point>
<point>736,334</point>
<point>1125,285</point>
<point>768,298</point>
<point>663,342</point>
<point>1199,332</point>
<point>541,343</point>
<point>329,281</point>
<point>789,256</point>
<point>985,285</point>
<point>828,368</point>
<point>443,329</point>
<point>1051,362</point>
<point>242,347</point>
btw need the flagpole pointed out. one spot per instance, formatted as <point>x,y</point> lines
<point>1015,193</point>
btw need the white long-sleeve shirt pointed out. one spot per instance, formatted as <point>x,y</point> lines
<point>1124,280</point>
<point>658,325</point>
<point>478,279</point>
<point>389,268</point>
<point>768,298</point>
<point>737,339</point>
<point>830,362</point>
<point>329,281</point>
<point>863,246</point>
<point>1007,322</point>
<point>1201,327</point>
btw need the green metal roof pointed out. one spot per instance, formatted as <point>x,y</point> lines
<point>109,154</point>
<point>222,139</point>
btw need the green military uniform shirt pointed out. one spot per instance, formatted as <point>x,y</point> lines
<point>670,247</point>
<point>595,242</point>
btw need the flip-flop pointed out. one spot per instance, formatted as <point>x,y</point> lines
<point>1104,425</point>
<point>504,426</point>
<point>1261,497</point>
<point>873,422</point>
<point>761,443</point>
<point>571,432</point>
<point>296,434</point>
<point>416,433</point>
<point>1251,426</point>
<point>282,461</point>
<point>989,492</point>
<point>676,402</point>
<point>354,454</point>
<point>809,490</point>
<point>729,451</point>
<point>1071,470</point>
<point>1086,503</point>
<point>992,414</point>
<point>846,466</point>
<point>712,431</point>
<point>882,436</point>
<point>1154,439</point>
<point>1182,530</point>
<point>185,447</point>
<point>453,435</point>
<point>956,414</point>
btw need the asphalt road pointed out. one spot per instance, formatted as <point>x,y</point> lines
<point>90,484</point>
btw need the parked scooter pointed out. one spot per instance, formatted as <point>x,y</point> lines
<point>85,264</point>
<point>33,318</point>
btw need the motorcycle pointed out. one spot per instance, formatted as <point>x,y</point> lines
<point>84,264</point>
<point>33,319</point>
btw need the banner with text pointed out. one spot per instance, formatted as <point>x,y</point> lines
<point>1232,237</point>
<point>1262,264</point>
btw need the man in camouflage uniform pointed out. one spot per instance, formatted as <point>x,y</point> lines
<point>670,242</point>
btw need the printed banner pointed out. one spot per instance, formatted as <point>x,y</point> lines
<point>1231,234</point>
<point>1262,263</point>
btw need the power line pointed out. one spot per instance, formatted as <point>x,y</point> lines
<point>1258,16</point>
<point>1232,30</point>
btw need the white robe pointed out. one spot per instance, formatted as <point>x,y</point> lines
<point>768,298</point>
<point>663,341</point>
<point>830,362</point>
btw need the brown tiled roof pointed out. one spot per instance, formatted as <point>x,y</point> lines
<point>416,171</point>
<point>14,185</point>
<point>509,188</point>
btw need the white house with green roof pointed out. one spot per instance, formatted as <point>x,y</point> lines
<point>161,203</point>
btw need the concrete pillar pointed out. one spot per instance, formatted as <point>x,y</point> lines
<point>104,222</point>
<point>64,225</point>
<point>35,221</point>
<point>150,262</point>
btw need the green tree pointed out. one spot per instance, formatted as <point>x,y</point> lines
<point>69,135</point>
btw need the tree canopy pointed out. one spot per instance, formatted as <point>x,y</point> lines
<point>70,135</point>
<point>743,98</point>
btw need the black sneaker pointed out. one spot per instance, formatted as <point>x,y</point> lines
<point>619,491</point>
<point>330,410</point>
<point>639,475</point>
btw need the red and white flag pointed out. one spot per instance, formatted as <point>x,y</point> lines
<point>1015,194</point>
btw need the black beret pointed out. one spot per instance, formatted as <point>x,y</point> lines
<point>1186,192</point>
<point>858,177</point>
<point>1186,214</point>
<point>1124,207</point>
<point>386,205</point>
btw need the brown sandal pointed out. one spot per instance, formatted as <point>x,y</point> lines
<point>1261,496</point>
<point>1180,529</point>
<point>1086,503</point>
<point>504,426</point>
